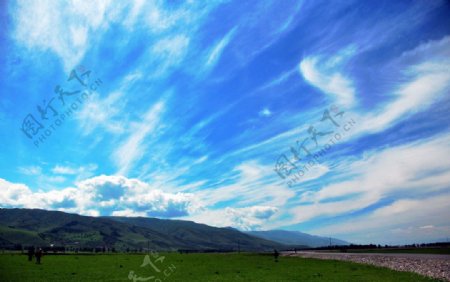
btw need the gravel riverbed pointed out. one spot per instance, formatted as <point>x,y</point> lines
<point>436,266</point>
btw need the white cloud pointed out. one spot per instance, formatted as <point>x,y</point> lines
<point>13,194</point>
<point>19,195</point>
<point>253,184</point>
<point>136,10</point>
<point>424,80</point>
<point>64,170</point>
<point>70,29</point>
<point>102,195</point>
<point>427,67</point>
<point>159,20</point>
<point>133,148</point>
<point>324,74</point>
<point>265,112</point>
<point>101,113</point>
<point>55,179</point>
<point>124,193</point>
<point>128,213</point>
<point>404,172</point>
<point>168,53</point>
<point>107,113</point>
<point>247,218</point>
<point>81,171</point>
<point>404,221</point>
<point>283,77</point>
<point>30,170</point>
<point>217,50</point>
<point>64,28</point>
<point>312,172</point>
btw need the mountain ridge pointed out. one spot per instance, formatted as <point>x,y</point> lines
<point>297,238</point>
<point>41,227</point>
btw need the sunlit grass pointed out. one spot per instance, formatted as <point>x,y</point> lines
<point>192,267</point>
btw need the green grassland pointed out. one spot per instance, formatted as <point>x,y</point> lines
<point>192,267</point>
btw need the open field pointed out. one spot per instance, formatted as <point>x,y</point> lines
<point>192,267</point>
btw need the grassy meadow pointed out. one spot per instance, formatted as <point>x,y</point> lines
<point>191,267</point>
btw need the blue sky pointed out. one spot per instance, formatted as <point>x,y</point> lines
<point>198,110</point>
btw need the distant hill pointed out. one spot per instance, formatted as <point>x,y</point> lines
<point>41,228</point>
<point>296,238</point>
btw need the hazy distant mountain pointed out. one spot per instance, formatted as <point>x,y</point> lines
<point>296,238</point>
<point>42,228</point>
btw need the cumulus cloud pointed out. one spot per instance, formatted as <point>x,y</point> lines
<point>102,195</point>
<point>128,213</point>
<point>249,218</point>
<point>13,194</point>
<point>121,196</point>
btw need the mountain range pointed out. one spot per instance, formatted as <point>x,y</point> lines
<point>26,227</point>
<point>297,238</point>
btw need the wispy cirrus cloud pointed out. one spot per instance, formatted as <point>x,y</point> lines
<point>66,29</point>
<point>407,218</point>
<point>72,170</point>
<point>30,170</point>
<point>247,187</point>
<point>133,147</point>
<point>246,81</point>
<point>391,173</point>
<point>326,75</point>
<point>429,80</point>
<point>217,50</point>
<point>168,53</point>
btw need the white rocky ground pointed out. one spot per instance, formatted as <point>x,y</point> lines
<point>436,266</point>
